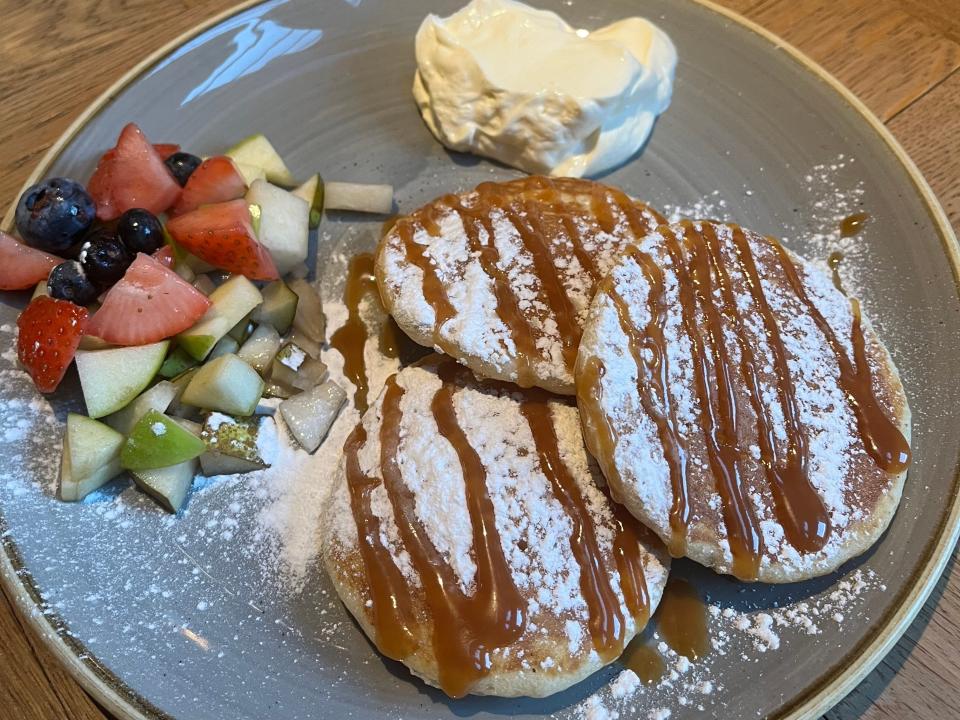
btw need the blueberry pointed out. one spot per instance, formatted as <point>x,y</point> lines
<point>182,165</point>
<point>140,231</point>
<point>104,258</point>
<point>52,215</point>
<point>67,281</point>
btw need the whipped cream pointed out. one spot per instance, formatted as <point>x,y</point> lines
<point>517,84</point>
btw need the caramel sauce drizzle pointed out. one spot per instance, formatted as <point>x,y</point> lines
<point>716,400</point>
<point>644,659</point>
<point>535,221</point>
<point>799,509</point>
<point>882,438</point>
<point>652,388</point>
<point>393,615</point>
<point>466,628</point>
<point>606,621</point>
<point>351,338</point>
<point>707,303</point>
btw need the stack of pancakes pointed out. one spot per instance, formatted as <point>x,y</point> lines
<point>730,404</point>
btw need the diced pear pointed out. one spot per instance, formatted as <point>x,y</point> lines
<point>284,223</point>
<point>359,198</point>
<point>231,445</point>
<point>185,271</point>
<point>232,301</point>
<point>256,150</point>
<point>310,414</point>
<point>295,369</point>
<point>159,441</point>
<point>312,192</point>
<point>110,379</point>
<point>225,346</point>
<point>276,390</point>
<point>309,346</point>
<point>250,172</point>
<point>177,362</point>
<point>157,398</point>
<point>204,284</point>
<point>241,331</point>
<point>91,457</point>
<point>260,348</point>
<point>309,318</point>
<point>226,385</point>
<point>167,485</point>
<point>279,306</point>
<point>176,407</point>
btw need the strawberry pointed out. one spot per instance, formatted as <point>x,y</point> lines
<point>132,175</point>
<point>165,256</point>
<point>216,180</point>
<point>165,150</point>
<point>50,332</point>
<point>21,266</point>
<point>149,303</point>
<point>223,236</point>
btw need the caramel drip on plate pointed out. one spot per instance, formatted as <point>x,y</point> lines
<point>833,262</point>
<point>607,626</point>
<point>393,615</point>
<point>466,628</point>
<point>644,659</point>
<point>716,399</point>
<point>798,507</point>
<point>853,224</point>
<point>351,338</point>
<point>653,375</point>
<point>546,222</point>
<point>881,437</point>
<point>682,619</point>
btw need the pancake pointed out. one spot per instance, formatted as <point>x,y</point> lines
<point>492,561</point>
<point>511,307</point>
<point>740,405</point>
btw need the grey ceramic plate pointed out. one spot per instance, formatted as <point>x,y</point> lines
<point>186,617</point>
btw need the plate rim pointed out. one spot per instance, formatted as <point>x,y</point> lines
<point>122,701</point>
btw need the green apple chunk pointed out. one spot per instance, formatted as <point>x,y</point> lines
<point>91,457</point>
<point>279,307</point>
<point>226,385</point>
<point>159,441</point>
<point>156,398</point>
<point>359,198</point>
<point>256,150</point>
<point>110,379</point>
<point>310,414</point>
<point>232,301</point>
<point>309,318</point>
<point>204,284</point>
<point>167,485</point>
<point>260,348</point>
<point>312,192</point>
<point>231,445</point>
<point>176,363</point>
<point>284,224</point>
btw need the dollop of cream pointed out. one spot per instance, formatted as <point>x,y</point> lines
<point>502,79</point>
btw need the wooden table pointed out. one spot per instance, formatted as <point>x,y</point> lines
<point>902,57</point>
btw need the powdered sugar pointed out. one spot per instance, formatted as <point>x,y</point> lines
<point>827,420</point>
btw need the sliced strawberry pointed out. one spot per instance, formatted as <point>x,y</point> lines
<point>216,180</point>
<point>50,332</point>
<point>165,150</point>
<point>223,236</point>
<point>21,266</point>
<point>165,256</point>
<point>149,303</point>
<point>132,175</point>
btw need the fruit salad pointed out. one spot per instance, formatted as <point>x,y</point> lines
<point>176,285</point>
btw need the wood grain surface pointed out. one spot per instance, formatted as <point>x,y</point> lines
<point>900,56</point>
